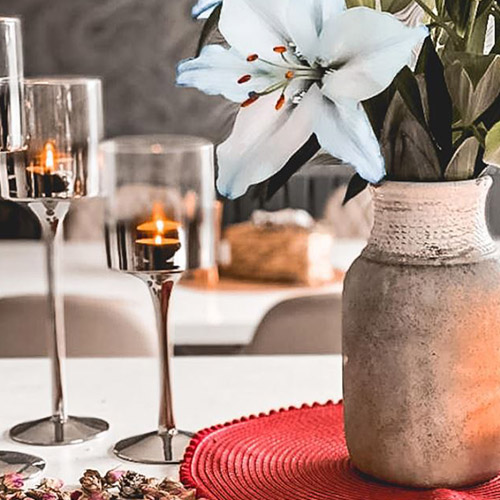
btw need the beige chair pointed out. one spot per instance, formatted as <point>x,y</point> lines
<point>305,325</point>
<point>96,327</point>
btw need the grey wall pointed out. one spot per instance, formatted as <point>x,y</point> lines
<point>134,46</point>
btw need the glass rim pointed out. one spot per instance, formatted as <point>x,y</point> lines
<point>10,20</point>
<point>155,144</point>
<point>63,80</point>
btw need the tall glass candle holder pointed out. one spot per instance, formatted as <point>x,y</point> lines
<point>159,223</point>
<point>12,136</point>
<point>58,165</point>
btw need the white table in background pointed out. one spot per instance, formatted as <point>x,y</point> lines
<point>200,317</point>
<point>125,392</point>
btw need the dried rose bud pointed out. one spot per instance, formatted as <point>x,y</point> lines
<point>76,495</point>
<point>91,482</point>
<point>18,495</point>
<point>51,484</point>
<point>12,482</point>
<point>113,476</point>
<point>131,485</point>
<point>171,486</point>
<point>63,495</point>
<point>49,495</point>
<point>99,495</point>
<point>35,494</point>
<point>187,495</point>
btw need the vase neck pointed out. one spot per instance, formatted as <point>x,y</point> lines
<point>430,223</point>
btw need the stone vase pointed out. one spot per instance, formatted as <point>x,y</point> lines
<point>421,338</point>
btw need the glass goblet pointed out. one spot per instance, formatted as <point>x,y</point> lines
<point>159,223</point>
<point>12,136</point>
<point>58,165</point>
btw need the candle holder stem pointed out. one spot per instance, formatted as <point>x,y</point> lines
<point>59,428</point>
<point>51,215</point>
<point>168,444</point>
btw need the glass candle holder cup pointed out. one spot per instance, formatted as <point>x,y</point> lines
<point>159,223</point>
<point>12,136</point>
<point>58,164</point>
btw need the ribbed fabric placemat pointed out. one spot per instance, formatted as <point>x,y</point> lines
<point>294,454</point>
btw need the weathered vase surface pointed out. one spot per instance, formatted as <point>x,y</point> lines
<point>421,339</point>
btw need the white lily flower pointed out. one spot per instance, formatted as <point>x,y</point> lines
<point>204,8</point>
<point>299,67</point>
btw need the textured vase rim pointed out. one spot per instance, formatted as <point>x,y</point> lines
<point>485,179</point>
<point>431,223</point>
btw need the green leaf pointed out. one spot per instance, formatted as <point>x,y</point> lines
<point>491,115</point>
<point>209,28</point>
<point>407,146</point>
<point>473,84</point>
<point>406,84</point>
<point>459,11</point>
<point>360,3</point>
<point>492,153</point>
<point>356,186</point>
<point>463,162</point>
<point>440,106</point>
<point>478,39</point>
<point>294,164</point>
<point>394,6</point>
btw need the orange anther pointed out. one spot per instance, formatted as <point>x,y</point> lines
<point>245,79</point>
<point>281,102</point>
<point>252,57</point>
<point>280,49</point>
<point>250,101</point>
<point>289,75</point>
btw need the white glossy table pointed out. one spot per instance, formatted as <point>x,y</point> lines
<point>123,391</point>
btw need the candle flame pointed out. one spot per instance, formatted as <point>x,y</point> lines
<point>159,223</point>
<point>158,239</point>
<point>48,157</point>
<point>158,212</point>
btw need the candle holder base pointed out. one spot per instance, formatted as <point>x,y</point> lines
<point>51,432</point>
<point>154,448</point>
<point>28,466</point>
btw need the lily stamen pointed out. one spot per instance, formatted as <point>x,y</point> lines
<point>252,57</point>
<point>280,49</point>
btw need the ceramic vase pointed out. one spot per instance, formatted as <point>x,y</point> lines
<point>421,338</point>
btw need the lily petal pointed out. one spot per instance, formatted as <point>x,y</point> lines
<point>369,48</point>
<point>204,8</point>
<point>343,129</point>
<point>218,70</point>
<point>305,22</point>
<point>255,26</point>
<point>263,140</point>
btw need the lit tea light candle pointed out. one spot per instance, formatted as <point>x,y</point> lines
<point>156,252</point>
<point>47,179</point>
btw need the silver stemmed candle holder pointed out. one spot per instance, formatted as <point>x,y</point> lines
<point>12,136</point>
<point>58,164</point>
<point>159,223</point>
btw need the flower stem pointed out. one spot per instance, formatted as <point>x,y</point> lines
<point>439,21</point>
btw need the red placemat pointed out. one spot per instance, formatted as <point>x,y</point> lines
<point>290,455</point>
